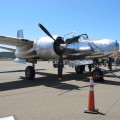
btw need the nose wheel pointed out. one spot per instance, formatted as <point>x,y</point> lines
<point>30,73</point>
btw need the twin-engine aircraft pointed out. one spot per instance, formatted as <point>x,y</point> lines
<point>57,48</point>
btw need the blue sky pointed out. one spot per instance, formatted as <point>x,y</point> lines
<point>97,18</point>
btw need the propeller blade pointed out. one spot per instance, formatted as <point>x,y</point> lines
<point>45,30</point>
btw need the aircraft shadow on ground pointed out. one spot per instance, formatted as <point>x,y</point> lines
<point>47,79</point>
<point>50,80</point>
<point>18,71</point>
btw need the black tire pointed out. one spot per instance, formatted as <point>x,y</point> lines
<point>29,73</point>
<point>79,69</point>
<point>55,65</point>
<point>97,75</point>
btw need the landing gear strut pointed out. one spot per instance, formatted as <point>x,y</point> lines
<point>60,67</point>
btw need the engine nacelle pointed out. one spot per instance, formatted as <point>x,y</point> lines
<point>45,48</point>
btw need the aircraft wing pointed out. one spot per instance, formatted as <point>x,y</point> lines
<point>14,41</point>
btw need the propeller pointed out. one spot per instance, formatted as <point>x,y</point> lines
<point>59,47</point>
<point>45,30</point>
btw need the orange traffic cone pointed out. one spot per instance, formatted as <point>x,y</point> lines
<point>91,104</point>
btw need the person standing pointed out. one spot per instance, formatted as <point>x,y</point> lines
<point>110,63</point>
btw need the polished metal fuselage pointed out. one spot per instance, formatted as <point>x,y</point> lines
<point>84,49</point>
<point>43,49</point>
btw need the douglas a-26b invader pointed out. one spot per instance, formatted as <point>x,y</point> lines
<point>59,49</point>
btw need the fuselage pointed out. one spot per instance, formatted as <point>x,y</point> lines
<point>78,50</point>
<point>45,49</point>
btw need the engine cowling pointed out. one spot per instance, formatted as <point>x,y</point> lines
<point>45,48</point>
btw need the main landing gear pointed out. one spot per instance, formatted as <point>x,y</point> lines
<point>96,73</point>
<point>79,69</point>
<point>30,72</point>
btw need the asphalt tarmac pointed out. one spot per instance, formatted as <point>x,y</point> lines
<point>47,98</point>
